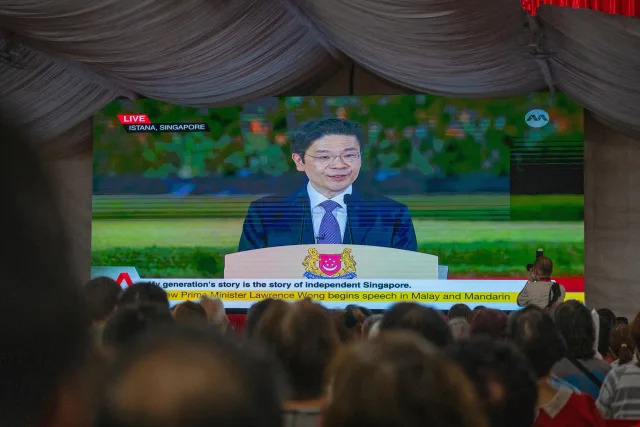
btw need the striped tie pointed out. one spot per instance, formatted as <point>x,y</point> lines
<point>329,232</point>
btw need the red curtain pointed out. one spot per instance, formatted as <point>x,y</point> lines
<point>617,7</point>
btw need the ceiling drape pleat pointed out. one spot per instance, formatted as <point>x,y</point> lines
<point>62,60</point>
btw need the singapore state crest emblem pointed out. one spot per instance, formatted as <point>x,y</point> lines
<point>329,266</point>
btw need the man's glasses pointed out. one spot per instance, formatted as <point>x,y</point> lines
<point>324,161</point>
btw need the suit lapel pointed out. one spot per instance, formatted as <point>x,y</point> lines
<point>360,218</point>
<point>308,237</point>
<point>299,202</point>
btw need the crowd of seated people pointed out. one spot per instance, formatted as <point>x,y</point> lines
<point>301,364</point>
<point>76,355</point>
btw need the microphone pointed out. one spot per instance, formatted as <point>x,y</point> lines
<point>347,199</point>
<point>318,238</point>
<point>303,200</point>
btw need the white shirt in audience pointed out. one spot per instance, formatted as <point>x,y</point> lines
<point>616,362</point>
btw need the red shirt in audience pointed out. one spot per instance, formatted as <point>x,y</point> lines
<point>569,409</point>
<point>608,358</point>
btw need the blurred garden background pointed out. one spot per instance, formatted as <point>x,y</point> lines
<point>474,174</point>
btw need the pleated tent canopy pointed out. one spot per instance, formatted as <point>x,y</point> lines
<point>63,60</point>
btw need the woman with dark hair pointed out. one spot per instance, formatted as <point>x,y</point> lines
<point>350,322</point>
<point>304,339</point>
<point>622,346</point>
<point>187,377</point>
<point>621,389</point>
<point>425,321</point>
<point>534,332</point>
<point>399,379</point>
<point>131,322</point>
<point>190,313</point>
<point>580,367</point>
<point>607,323</point>
<point>459,310</point>
<point>502,378</point>
<point>255,314</point>
<point>491,322</point>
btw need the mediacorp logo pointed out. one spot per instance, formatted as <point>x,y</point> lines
<point>537,118</point>
<point>123,275</point>
<point>329,266</point>
<point>137,123</point>
<point>124,278</point>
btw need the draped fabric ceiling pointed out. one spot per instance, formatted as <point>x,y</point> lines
<point>62,60</point>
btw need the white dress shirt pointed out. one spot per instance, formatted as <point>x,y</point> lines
<point>317,211</point>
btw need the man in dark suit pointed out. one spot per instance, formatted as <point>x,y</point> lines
<point>328,209</point>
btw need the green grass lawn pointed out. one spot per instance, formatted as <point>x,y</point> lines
<point>196,247</point>
<point>177,233</point>
<point>225,233</point>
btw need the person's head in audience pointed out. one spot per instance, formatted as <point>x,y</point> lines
<point>542,269</point>
<point>503,379</point>
<point>576,326</point>
<point>144,292</point>
<point>459,310</point>
<point>475,311</point>
<point>426,321</point>
<point>399,379</point>
<point>132,321</point>
<point>101,296</point>
<point>189,378</point>
<point>607,321</point>
<point>254,314</point>
<point>533,330</point>
<point>371,326</point>
<point>306,343</point>
<point>349,322</point>
<point>45,328</point>
<point>459,328</point>
<point>608,315</point>
<point>190,313</point>
<point>622,321</point>
<point>267,330</point>
<point>360,310</point>
<point>622,345</point>
<point>489,322</point>
<point>216,315</point>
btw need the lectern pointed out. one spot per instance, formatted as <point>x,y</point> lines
<point>330,262</point>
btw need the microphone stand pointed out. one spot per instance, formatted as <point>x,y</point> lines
<point>303,200</point>
<point>347,200</point>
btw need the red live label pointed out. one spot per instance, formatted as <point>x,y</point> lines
<point>134,119</point>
